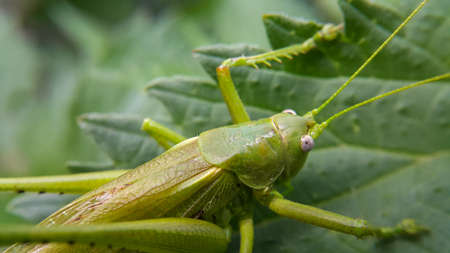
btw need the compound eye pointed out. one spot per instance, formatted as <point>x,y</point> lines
<point>290,111</point>
<point>306,143</point>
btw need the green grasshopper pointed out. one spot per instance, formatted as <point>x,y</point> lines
<point>184,199</point>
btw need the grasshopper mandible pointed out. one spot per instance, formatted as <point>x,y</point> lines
<point>182,200</point>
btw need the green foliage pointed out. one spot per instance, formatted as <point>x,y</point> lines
<point>383,162</point>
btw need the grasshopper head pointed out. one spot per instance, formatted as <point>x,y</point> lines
<point>294,130</point>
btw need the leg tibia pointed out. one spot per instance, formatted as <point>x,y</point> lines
<point>328,33</point>
<point>247,232</point>
<point>326,219</point>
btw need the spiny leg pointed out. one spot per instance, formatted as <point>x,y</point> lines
<point>156,235</point>
<point>163,135</point>
<point>227,87</point>
<point>333,221</point>
<point>247,233</point>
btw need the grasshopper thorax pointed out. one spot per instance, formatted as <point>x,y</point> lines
<point>259,152</point>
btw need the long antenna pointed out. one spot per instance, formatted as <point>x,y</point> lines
<point>317,129</point>
<point>383,45</point>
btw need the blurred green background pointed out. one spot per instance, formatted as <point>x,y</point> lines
<point>60,59</point>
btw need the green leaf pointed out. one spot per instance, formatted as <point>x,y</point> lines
<point>35,207</point>
<point>384,162</point>
<point>121,138</point>
<point>366,26</point>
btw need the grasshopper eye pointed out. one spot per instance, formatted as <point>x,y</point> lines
<point>306,143</point>
<point>290,111</point>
